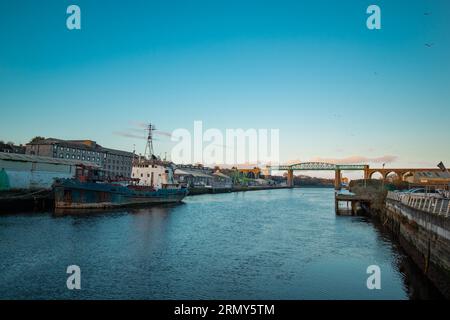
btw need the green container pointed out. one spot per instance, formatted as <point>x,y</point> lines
<point>4,180</point>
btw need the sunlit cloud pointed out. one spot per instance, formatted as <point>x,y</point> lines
<point>357,159</point>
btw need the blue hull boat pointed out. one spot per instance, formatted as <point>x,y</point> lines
<point>74,194</point>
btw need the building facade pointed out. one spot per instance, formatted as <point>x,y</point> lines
<point>197,176</point>
<point>194,176</point>
<point>115,163</point>
<point>11,148</point>
<point>429,178</point>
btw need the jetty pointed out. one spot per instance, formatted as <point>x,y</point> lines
<point>347,203</point>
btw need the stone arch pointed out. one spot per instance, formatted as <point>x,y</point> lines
<point>373,175</point>
<point>251,175</point>
<point>393,175</point>
<point>407,174</point>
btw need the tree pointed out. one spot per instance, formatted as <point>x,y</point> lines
<point>37,139</point>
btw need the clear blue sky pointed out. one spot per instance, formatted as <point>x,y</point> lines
<point>309,68</point>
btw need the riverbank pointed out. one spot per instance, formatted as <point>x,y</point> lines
<point>198,191</point>
<point>419,224</point>
<point>38,199</point>
<point>44,199</point>
<point>425,236</point>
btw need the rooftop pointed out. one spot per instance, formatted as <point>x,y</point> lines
<point>194,173</point>
<point>79,144</point>
<point>433,174</point>
<point>220,174</point>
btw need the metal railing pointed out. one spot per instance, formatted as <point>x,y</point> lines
<point>430,203</point>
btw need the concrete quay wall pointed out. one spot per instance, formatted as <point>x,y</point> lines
<point>425,237</point>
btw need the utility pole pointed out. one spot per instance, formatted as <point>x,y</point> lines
<point>149,145</point>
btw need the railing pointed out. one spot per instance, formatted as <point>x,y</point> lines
<point>430,203</point>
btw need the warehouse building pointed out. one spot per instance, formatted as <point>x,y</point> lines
<point>27,172</point>
<point>115,163</point>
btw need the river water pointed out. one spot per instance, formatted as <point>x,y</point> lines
<point>272,244</point>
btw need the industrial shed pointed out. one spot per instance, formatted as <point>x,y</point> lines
<point>27,172</point>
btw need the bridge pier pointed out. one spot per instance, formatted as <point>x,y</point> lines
<point>366,172</point>
<point>337,179</point>
<point>290,178</point>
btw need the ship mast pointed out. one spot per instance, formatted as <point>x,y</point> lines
<point>149,145</point>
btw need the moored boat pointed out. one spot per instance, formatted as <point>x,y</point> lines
<point>72,194</point>
<point>152,182</point>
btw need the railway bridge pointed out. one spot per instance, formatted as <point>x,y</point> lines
<point>401,173</point>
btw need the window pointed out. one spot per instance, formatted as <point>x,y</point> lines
<point>67,156</point>
<point>61,155</point>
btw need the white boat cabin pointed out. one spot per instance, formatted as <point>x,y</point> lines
<point>153,173</point>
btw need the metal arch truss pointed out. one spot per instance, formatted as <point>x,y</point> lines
<point>319,166</point>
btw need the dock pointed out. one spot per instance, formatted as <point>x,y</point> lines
<point>353,203</point>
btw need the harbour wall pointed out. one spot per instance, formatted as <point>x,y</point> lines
<point>424,235</point>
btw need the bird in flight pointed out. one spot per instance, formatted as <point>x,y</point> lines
<point>429,45</point>
<point>427,14</point>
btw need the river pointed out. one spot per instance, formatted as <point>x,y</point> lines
<point>272,244</point>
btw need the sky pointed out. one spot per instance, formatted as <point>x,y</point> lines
<point>336,90</point>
